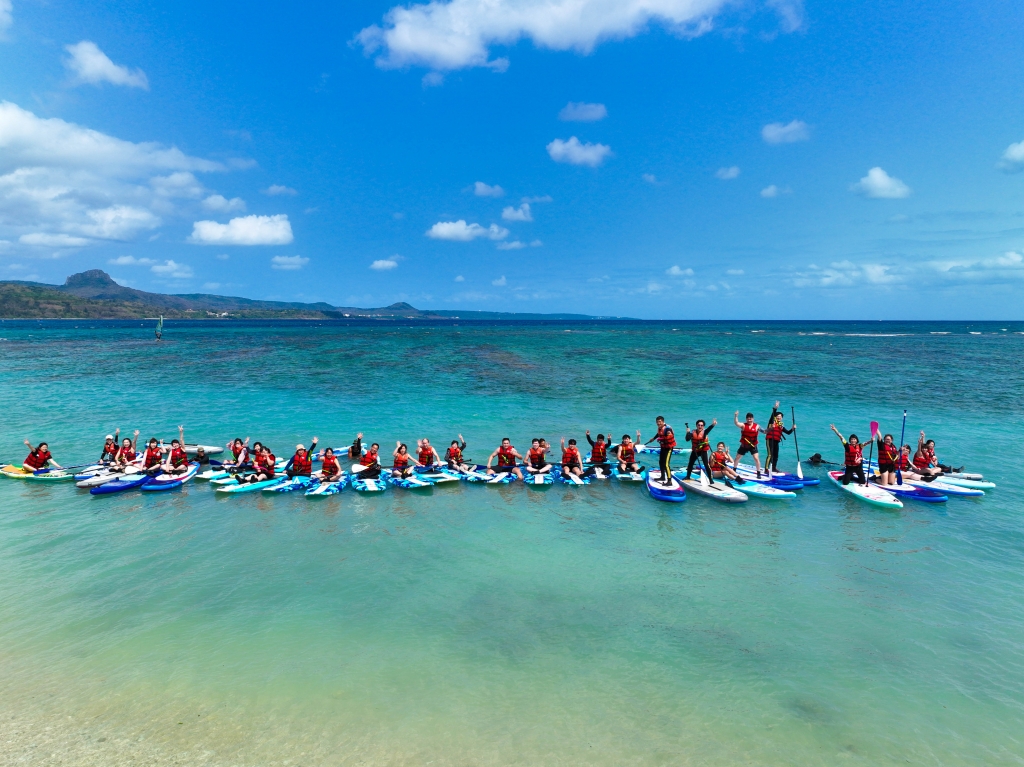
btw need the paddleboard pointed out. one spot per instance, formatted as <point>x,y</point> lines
<point>908,491</point>
<point>409,483</point>
<point>327,488</point>
<point>170,481</point>
<point>718,491</point>
<point>629,476</point>
<point>947,489</point>
<point>760,490</point>
<point>975,484</point>
<point>17,472</point>
<point>368,485</point>
<point>672,493</point>
<point>538,481</point>
<point>872,494</point>
<point>293,484</point>
<point>248,487</point>
<point>120,485</point>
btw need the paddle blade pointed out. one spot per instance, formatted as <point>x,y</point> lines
<point>358,467</point>
<point>799,471</point>
<point>874,429</point>
<point>703,479</point>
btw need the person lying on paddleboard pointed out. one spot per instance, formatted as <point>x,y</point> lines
<point>854,459</point>
<point>425,453</point>
<point>535,461</point>
<point>699,447</point>
<point>773,437</point>
<point>239,452</point>
<point>177,458</point>
<point>506,455</point>
<point>748,439</point>
<point>599,452</point>
<point>666,438</point>
<point>625,452</point>
<point>402,466</point>
<point>453,456</point>
<point>110,448</point>
<point>888,459</point>
<point>39,457</point>
<point>720,468</point>
<point>572,461</point>
<point>301,464</point>
<point>371,460</point>
<point>330,469</point>
<point>127,452</point>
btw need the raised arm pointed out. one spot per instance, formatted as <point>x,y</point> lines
<point>589,439</point>
<point>736,419</point>
<point>842,439</point>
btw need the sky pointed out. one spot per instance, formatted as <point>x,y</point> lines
<point>683,159</point>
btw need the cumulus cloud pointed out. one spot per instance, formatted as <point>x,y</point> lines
<point>180,184</point>
<point>288,263</point>
<point>46,240</point>
<point>131,261</point>
<point>771,191</point>
<point>277,189</point>
<point>432,80</point>
<point>480,189</point>
<point>460,278</point>
<point>880,185</point>
<point>88,64</point>
<point>676,271</point>
<point>245,230</point>
<point>996,270</point>
<point>727,174</point>
<point>173,270</point>
<point>119,222</point>
<point>522,213</point>
<point>579,111</point>
<point>1012,160</point>
<point>384,264</point>
<point>218,203</point>
<point>500,282</point>
<point>459,33</point>
<point>790,133</point>
<point>575,152</point>
<point>460,231</point>
<point>513,245</point>
<point>6,16</point>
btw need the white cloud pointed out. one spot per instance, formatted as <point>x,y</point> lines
<point>460,231</point>
<point>576,153</point>
<point>536,244</point>
<point>211,285</point>
<point>179,184</point>
<point>996,270</point>
<point>384,264</point>
<point>245,230</point>
<point>513,245</point>
<point>432,80</point>
<point>650,178</point>
<point>480,189</point>
<point>221,204</point>
<point>52,240</point>
<point>459,33</point>
<point>727,174</point>
<point>90,65</point>
<point>460,278</point>
<point>288,263</point>
<point>770,191</point>
<point>172,269</point>
<point>790,133</point>
<point>734,272</point>
<point>579,111</point>
<point>120,222</point>
<point>6,16</point>
<point>1012,160</point>
<point>880,185</point>
<point>500,282</point>
<point>131,261</point>
<point>277,189</point>
<point>675,271</point>
<point>542,198</point>
<point>522,213</point>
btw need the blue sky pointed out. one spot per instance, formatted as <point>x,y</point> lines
<point>650,158</point>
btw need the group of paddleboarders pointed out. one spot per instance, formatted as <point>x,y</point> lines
<point>891,459</point>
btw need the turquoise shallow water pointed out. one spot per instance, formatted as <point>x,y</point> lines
<point>501,625</point>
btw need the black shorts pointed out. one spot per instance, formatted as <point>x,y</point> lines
<point>886,467</point>
<point>504,469</point>
<point>745,448</point>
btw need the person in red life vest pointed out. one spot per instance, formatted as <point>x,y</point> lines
<point>425,453</point>
<point>454,457</point>
<point>926,463</point>
<point>330,469</point>
<point>402,466</point>
<point>39,457</point>
<point>854,458</point>
<point>507,456</point>
<point>263,465</point>
<point>127,452</point>
<point>666,438</point>
<point>110,448</point>
<point>536,462</point>
<point>773,437</point>
<point>239,454</point>
<point>748,439</point>
<point>572,461</point>
<point>301,464</point>
<point>699,447</point>
<point>720,468</point>
<point>888,460</point>
<point>153,456</point>
<point>371,461</point>
<point>177,458</point>
<point>599,453</point>
<point>625,452</point>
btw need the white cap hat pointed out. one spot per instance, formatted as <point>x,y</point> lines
<point>300,447</point>
<point>110,438</point>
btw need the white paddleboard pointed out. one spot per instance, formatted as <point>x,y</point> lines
<point>872,494</point>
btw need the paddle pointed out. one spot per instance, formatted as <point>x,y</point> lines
<point>37,472</point>
<point>871,450</point>
<point>799,468</point>
<point>899,459</point>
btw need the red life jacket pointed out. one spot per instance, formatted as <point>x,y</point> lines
<point>536,457</point>
<point>748,436</point>
<point>178,457</point>
<point>268,464</point>
<point>401,460</point>
<point>718,460</point>
<point>570,457</point>
<point>302,465</point>
<point>666,437</point>
<point>238,450</point>
<point>37,459</point>
<point>699,441</point>
<point>153,457</point>
<point>453,454</point>
<point>426,456</point>
<point>904,462</point>
<point>887,454</point>
<point>924,458</point>
<point>126,454</point>
<point>599,452</point>
<point>627,454</point>
<point>854,455</point>
<point>329,465</point>
<point>774,432</point>
<point>369,459</point>
<point>110,451</point>
<point>506,456</point>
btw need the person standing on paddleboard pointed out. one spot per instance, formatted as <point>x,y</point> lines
<point>773,437</point>
<point>854,458</point>
<point>666,438</point>
<point>625,452</point>
<point>506,455</point>
<point>110,448</point>
<point>535,461</point>
<point>748,439</point>
<point>39,457</point>
<point>699,447</point>
<point>453,456</point>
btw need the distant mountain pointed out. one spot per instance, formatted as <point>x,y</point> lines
<point>94,295</point>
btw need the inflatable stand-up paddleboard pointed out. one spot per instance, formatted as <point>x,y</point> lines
<point>871,494</point>
<point>672,493</point>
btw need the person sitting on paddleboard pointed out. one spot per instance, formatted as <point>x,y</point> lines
<point>425,453</point>
<point>888,459</point>
<point>301,464</point>
<point>506,455</point>
<point>402,466</point>
<point>263,465</point>
<point>748,439</point>
<point>330,469</point>
<point>625,452</point>
<point>127,452</point>
<point>720,468</point>
<point>371,460</point>
<point>535,461</point>
<point>240,454</point>
<point>854,459</point>
<point>153,456</point>
<point>699,447</point>
<point>666,438</point>
<point>177,458</point>
<point>572,461</point>
<point>110,448</point>
<point>599,452</point>
<point>926,463</point>
<point>773,437</point>
<point>39,457</point>
<point>453,456</point>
